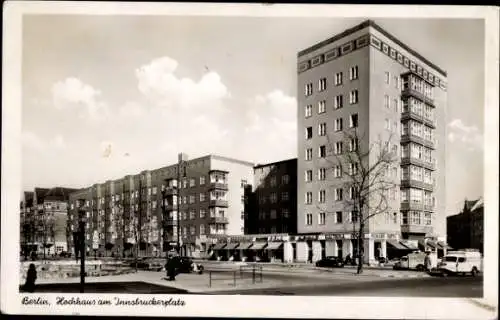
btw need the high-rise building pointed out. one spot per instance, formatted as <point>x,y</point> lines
<point>367,80</point>
<point>149,213</point>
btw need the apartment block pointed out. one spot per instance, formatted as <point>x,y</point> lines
<point>366,80</point>
<point>273,200</point>
<point>44,216</point>
<point>152,212</point>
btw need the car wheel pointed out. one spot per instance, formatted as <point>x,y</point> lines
<point>474,272</point>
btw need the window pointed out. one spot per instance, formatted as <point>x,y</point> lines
<point>322,151</point>
<point>427,218</point>
<point>395,149</point>
<point>192,182</point>
<point>339,102</point>
<point>309,175</point>
<point>309,132</point>
<point>353,120</point>
<point>309,153</point>
<point>338,147</point>
<point>321,174</point>
<point>273,182</point>
<point>192,214</point>
<point>322,196</point>
<point>337,171</point>
<point>273,198</point>
<point>285,179</point>
<point>284,196</point>
<point>396,82</point>
<point>309,219</point>
<point>273,214</point>
<point>322,106</point>
<point>339,194</point>
<point>321,218</point>
<point>353,144</point>
<point>309,110</point>
<point>203,213</point>
<point>415,217</point>
<point>404,217</point>
<point>322,129</point>
<point>353,73</point>
<point>338,217</point>
<point>153,205</point>
<point>308,89</point>
<point>202,229</point>
<point>354,216</point>
<point>191,199</point>
<point>338,124</point>
<point>395,104</point>
<point>338,78</point>
<point>353,97</point>
<point>387,77</point>
<point>202,180</point>
<point>309,197</point>
<point>352,193</point>
<point>386,101</point>
<point>202,197</point>
<point>192,230</point>
<point>322,84</point>
<point>353,168</point>
<point>285,213</point>
<point>387,124</point>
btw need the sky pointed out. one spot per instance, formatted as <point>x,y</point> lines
<point>106,96</point>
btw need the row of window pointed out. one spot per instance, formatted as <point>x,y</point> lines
<point>410,217</point>
<point>338,80</point>
<point>418,129</point>
<point>338,126</point>
<point>273,181</point>
<point>273,214</point>
<point>273,197</point>
<point>352,169</point>
<point>338,103</point>
<point>416,218</point>
<point>273,229</point>
<point>339,217</point>
<point>339,194</point>
<point>417,196</point>
<point>415,83</point>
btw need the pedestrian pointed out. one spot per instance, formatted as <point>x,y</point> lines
<point>427,261</point>
<point>171,269</point>
<point>29,285</point>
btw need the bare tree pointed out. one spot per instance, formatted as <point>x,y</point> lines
<point>366,168</point>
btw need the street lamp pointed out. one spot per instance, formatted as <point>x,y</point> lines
<point>82,221</point>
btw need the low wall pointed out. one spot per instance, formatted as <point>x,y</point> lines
<point>69,269</point>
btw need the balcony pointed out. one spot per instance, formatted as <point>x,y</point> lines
<point>408,183</point>
<point>170,222</point>
<point>218,186</point>
<point>218,203</point>
<point>415,228</point>
<point>428,207</point>
<point>413,116</point>
<point>170,206</point>
<point>417,162</point>
<point>405,206</point>
<point>223,220</point>
<point>170,191</point>
<point>408,92</point>
<point>413,138</point>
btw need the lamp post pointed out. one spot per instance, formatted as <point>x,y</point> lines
<point>178,206</point>
<point>82,221</point>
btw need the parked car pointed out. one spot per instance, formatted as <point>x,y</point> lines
<point>330,262</point>
<point>187,265</point>
<point>147,264</point>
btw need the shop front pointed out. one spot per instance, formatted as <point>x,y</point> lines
<point>274,251</point>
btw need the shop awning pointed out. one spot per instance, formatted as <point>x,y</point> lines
<point>244,245</point>
<point>432,244</point>
<point>218,246</point>
<point>444,245</point>
<point>258,245</point>
<point>396,245</point>
<point>274,245</point>
<point>231,246</point>
<point>409,245</point>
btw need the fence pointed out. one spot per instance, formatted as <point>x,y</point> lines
<point>254,272</point>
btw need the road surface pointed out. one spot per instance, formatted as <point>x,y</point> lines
<point>411,287</point>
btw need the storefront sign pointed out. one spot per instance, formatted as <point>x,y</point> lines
<point>379,235</point>
<point>334,236</point>
<point>321,237</point>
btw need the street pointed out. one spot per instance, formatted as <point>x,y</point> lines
<point>411,287</point>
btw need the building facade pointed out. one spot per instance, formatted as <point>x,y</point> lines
<point>272,204</point>
<point>366,80</point>
<point>149,213</point>
<point>466,229</point>
<point>44,216</point>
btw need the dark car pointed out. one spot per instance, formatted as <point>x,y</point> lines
<point>331,262</point>
<point>186,265</point>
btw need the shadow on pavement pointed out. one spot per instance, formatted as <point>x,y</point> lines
<point>108,287</point>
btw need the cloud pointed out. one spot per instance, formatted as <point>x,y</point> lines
<point>31,140</point>
<point>131,109</point>
<point>159,84</point>
<point>469,136</point>
<point>58,142</point>
<point>73,93</point>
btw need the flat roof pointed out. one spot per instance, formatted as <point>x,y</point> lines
<point>365,24</point>
<point>274,163</point>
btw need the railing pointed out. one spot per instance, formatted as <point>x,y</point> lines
<point>255,270</point>
<point>219,220</point>
<point>418,162</point>
<point>211,277</point>
<point>405,138</point>
<point>409,92</point>
<point>219,186</point>
<point>414,116</point>
<point>218,203</point>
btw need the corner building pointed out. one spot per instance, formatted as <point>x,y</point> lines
<point>148,213</point>
<point>367,79</point>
